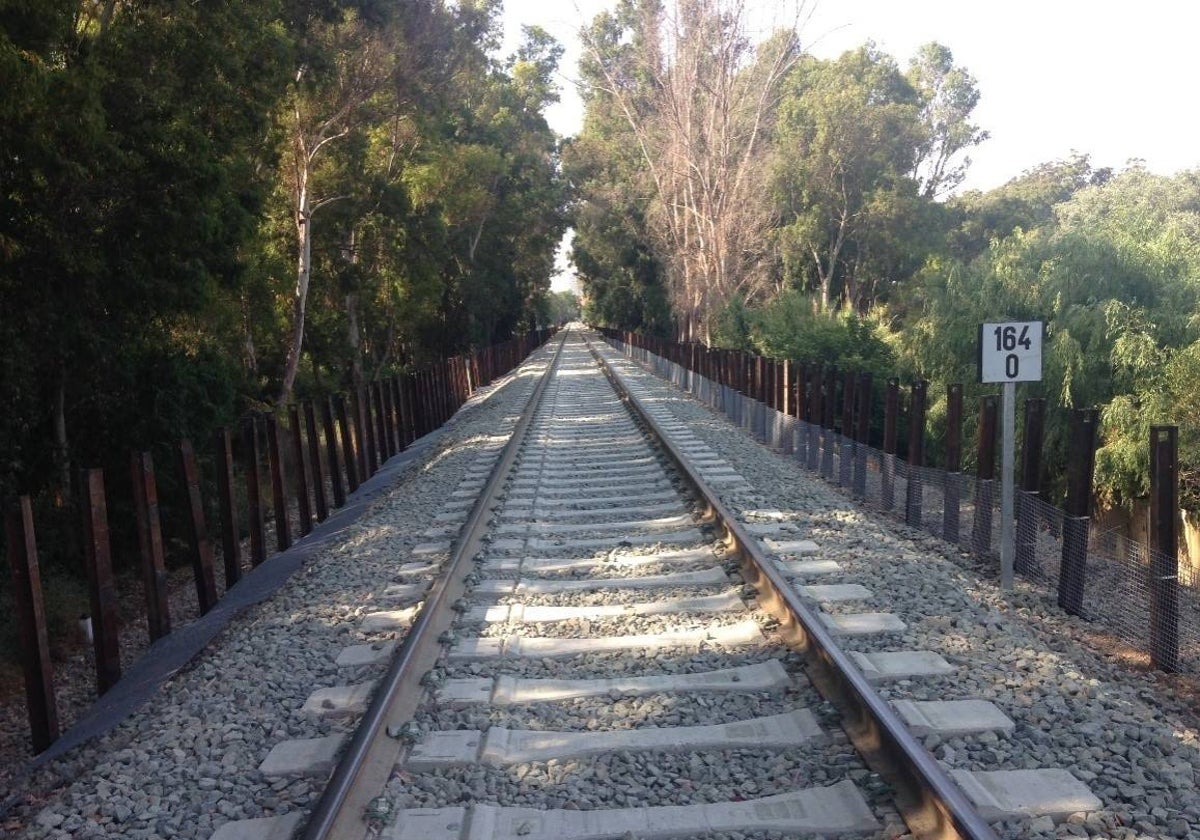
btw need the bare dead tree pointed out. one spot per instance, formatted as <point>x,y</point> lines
<point>702,125</point>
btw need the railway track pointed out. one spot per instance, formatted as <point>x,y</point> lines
<point>605,650</point>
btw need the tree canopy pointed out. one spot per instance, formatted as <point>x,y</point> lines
<point>212,207</point>
<point>855,242</point>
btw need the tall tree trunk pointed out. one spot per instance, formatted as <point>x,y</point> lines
<point>303,275</point>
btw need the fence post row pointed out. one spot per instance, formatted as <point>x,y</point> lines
<point>1164,548</point>
<point>38,669</point>
<point>1081,461</point>
<point>1024,555</point>
<point>811,393</point>
<point>150,544</point>
<point>388,417</point>
<point>101,588</point>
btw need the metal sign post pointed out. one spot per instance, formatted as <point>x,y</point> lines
<point>1009,352</point>
<point>1008,431</point>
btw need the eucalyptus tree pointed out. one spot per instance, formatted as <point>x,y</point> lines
<point>848,133</point>
<point>697,97</point>
<point>347,56</point>
<point>133,165</point>
<point>948,96</point>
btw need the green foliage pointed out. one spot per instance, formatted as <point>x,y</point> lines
<point>852,134</point>
<point>733,326</point>
<point>148,244</point>
<point>794,326</point>
<point>560,308</point>
<point>1025,202</point>
<point>1113,271</point>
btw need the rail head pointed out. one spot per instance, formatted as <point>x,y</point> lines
<point>932,804</point>
<point>363,770</point>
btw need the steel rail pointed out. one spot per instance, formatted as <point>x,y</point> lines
<point>933,806</point>
<point>365,767</point>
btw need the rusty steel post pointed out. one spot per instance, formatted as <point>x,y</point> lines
<point>1025,555</point>
<point>369,458</point>
<point>331,453</point>
<point>36,664</point>
<point>254,515</point>
<point>384,430</point>
<point>786,372</point>
<point>914,497</point>
<point>303,506</point>
<point>1164,548</point>
<point>421,392</point>
<point>389,413</point>
<point>404,409</point>
<point>382,447</point>
<point>815,413</point>
<point>231,544</point>
<point>150,544</point>
<point>283,533</point>
<point>397,399</point>
<point>314,460</point>
<point>829,403</point>
<point>349,456</point>
<point>202,553</point>
<point>1081,464</point>
<point>800,408</point>
<point>101,587</point>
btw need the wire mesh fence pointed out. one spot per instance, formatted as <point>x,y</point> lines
<point>1142,598</point>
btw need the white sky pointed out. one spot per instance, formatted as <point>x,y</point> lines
<point>1115,81</point>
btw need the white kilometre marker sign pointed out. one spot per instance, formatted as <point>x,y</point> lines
<point>1009,352</point>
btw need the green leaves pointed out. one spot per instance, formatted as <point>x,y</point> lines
<point>149,241</point>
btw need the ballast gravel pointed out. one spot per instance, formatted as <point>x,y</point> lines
<point>186,762</point>
<point>1126,734</point>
